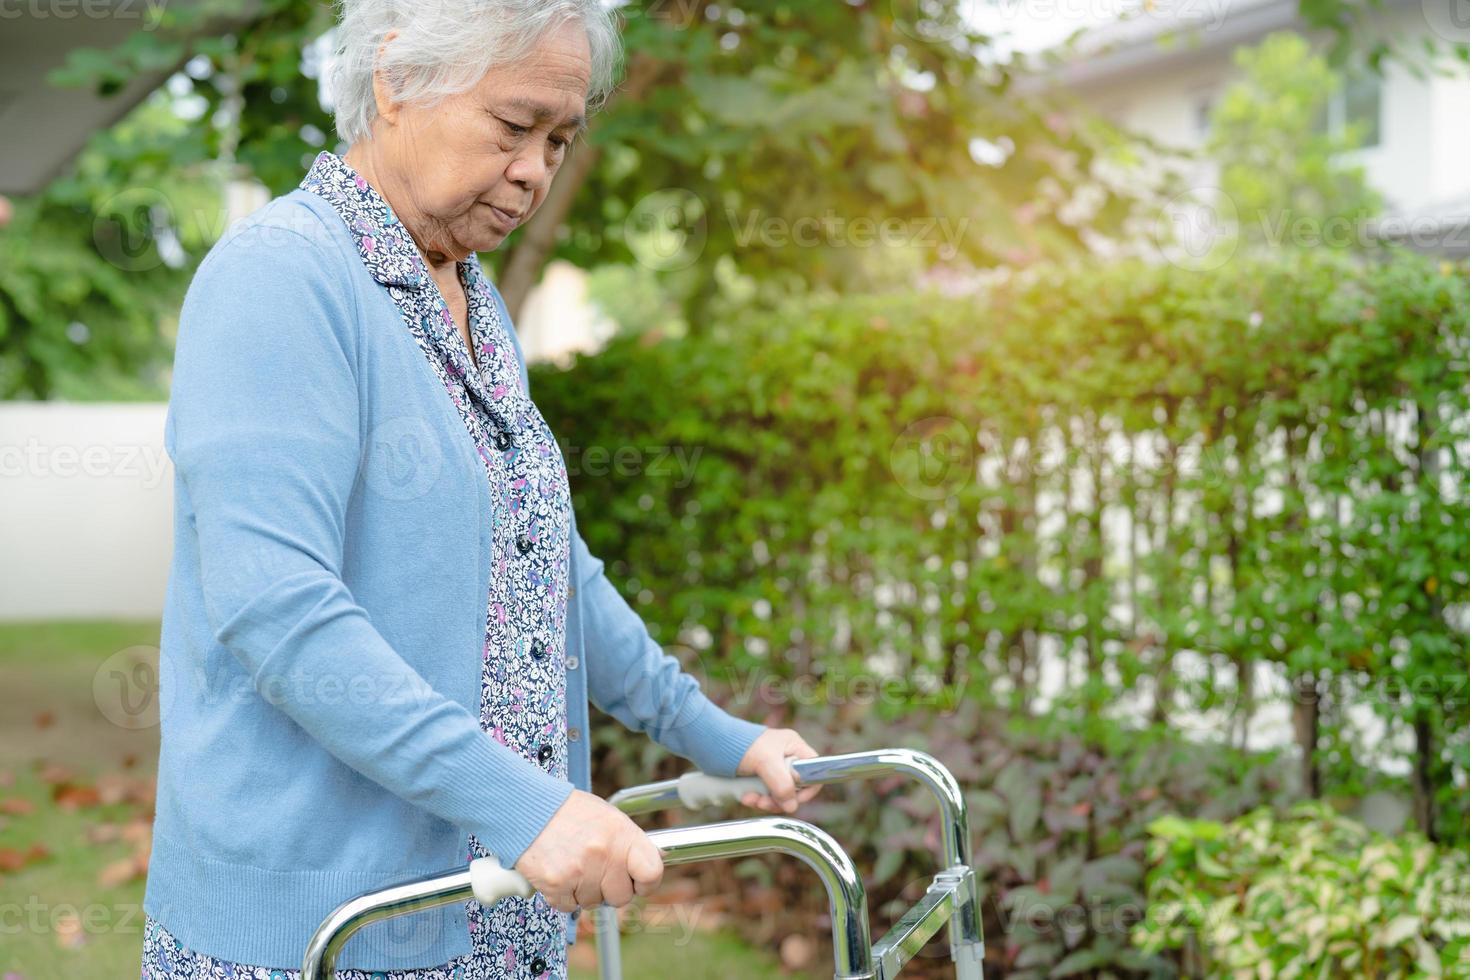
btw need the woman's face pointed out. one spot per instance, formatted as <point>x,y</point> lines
<point>463,174</point>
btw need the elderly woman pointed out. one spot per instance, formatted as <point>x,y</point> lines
<point>382,625</point>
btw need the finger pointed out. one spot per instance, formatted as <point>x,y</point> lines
<point>617,888</point>
<point>776,774</point>
<point>645,866</point>
<point>801,749</point>
<point>807,793</point>
<point>588,889</point>
<point>588,893</point>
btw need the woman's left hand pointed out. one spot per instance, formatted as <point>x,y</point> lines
<point>767,758</point>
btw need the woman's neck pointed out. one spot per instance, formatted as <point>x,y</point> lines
<point>440,264</point>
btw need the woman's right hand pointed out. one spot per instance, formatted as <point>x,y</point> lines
<point>589,854</point>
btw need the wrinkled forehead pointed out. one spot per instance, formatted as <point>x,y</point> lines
<point>550,84</point>
<point>564,113</point>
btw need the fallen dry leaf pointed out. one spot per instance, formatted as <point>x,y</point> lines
<point>17,806</point>
<point>797,951</point>
<point>103,833</point>
<point>137,831</point>
<point>114,787</point>
<point>74,796</point>
<point>55,772</point>
<point>13,860</point>
<point>118,872</point>
<point>45,719</point>
<point>143,790</point>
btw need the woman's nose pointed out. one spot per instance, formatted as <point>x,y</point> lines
<point>530,168</point>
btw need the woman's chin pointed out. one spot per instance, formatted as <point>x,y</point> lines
<point>487,240</point>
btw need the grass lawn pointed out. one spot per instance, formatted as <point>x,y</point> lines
<point>77,758</point>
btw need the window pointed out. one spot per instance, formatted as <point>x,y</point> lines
<point>1204,107</point>
<point>1358,101</point>
<point>1362,105</point>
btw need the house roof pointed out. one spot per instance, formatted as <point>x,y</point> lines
<point>1164,36</point>
<point>43,126</point>
<point>1440,228</point>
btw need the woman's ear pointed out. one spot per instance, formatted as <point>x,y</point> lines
<point>382,93</point>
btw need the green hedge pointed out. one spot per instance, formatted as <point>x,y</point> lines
<point>1310,895</point>
<point>905,499</point>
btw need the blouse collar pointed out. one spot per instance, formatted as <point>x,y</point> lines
<point>386,247</point>
<point>391,256</point>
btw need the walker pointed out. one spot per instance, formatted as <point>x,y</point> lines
<point>951,898</point>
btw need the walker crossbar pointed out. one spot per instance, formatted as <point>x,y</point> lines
<point>487,882</point>
<point>952,898</point>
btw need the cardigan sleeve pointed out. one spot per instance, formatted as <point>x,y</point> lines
<point>263,429</point>
<point>632,679</point>
<point>629,676</point>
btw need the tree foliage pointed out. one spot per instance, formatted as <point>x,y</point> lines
<point>783,142</point>
<point>1284,170</point>
<point>92,269</point>
<point>1177,495</point>
<point>753,150</point>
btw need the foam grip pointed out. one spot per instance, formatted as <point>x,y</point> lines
<point>696,790</point>
<point>490,882</point>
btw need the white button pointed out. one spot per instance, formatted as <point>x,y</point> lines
<point>572,663</point>
<point>574,734</point>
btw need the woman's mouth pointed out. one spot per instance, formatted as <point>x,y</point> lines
<point>507,220</point>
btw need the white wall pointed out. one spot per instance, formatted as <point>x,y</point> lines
<point>1419,162</point>
<point>1449,116</point>
<point>86,510</point>
<point>86,490</point>
<point>557,321</point>
<point>1401,165</point>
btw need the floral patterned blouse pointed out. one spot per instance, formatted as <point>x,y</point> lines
<point>523,676</point>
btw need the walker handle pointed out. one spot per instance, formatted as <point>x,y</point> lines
<point>491,882</point>
<point>697,791</point>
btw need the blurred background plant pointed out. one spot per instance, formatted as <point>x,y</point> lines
<point>1308,893</point>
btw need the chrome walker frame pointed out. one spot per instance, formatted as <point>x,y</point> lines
<point>952,898</point>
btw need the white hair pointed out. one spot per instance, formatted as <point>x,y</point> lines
<point>444,47</point>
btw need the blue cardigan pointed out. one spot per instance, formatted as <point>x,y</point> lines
<point>323,629</point>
